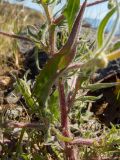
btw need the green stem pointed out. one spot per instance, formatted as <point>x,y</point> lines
<point>18,150</point>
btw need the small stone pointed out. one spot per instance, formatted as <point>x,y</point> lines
<point>5,82</point>
<point>13,97</point>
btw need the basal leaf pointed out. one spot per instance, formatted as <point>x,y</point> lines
<point>71,11</point>
<point>102,26</point>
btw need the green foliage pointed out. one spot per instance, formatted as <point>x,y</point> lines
<point>48,1</point>
<point>97,86</point>
<point>57,64</point>
<point>115,46</point>
<point>63,112</point>
<point>102,26</point>
<point>46,79</point>
<point>53,105</point>
<point>70,12</point>
<point>111,4</point>
<point>88,98</point>
<point>24,89</point>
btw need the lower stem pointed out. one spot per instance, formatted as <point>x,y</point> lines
<point>68,150</point>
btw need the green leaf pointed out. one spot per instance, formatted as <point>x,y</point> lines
<point>25,156</point>
<point>101,29</point>
<point>45,79</point>
<point>53,105</point>
<point>88,98</point>
<point>116,46</point>
<point>48,1</point>
<point>61,137</point>
<point>71,11</point>
<point>32,32</point>
<point>25,91</point>
<point>97,86</point>
<point>58,63</point>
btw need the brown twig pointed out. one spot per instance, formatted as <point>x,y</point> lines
<point>96,2</point>
<point>13,124</point>
<point>15,36</point>
<point>11,35</point>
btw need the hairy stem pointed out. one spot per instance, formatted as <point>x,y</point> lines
<point>52,39</point>
<point>69,150</point>
<point>63,106</point>
<point>14,124</point>
<point>77,87</point>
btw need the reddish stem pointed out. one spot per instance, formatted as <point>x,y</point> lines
<point>11,35</point>
<point>96,2</point>
<point>63,107</point>
<point>14,124</point>
<point>83,141</point>
<point>52,39</point>
<point>69,150</point>
<point>15,36</point>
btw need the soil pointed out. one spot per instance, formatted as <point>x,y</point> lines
<point>107,109</point>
